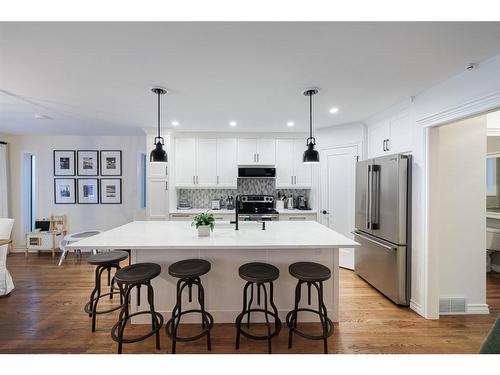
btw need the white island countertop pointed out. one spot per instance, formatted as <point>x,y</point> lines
<point>163,235</point>
<point>284,211</point>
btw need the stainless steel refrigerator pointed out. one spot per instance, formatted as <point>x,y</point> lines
<point>383,228</point>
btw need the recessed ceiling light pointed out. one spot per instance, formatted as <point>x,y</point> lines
<point>290,123</point>
<point>333,110</point>
<point>175,123</point>
<point>233,123</point>
<point>39,116</point>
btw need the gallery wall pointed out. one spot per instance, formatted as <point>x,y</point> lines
<point>80,216</point>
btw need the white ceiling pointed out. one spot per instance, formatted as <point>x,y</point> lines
<point>95,78</point>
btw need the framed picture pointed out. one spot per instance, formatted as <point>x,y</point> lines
<point>88,162</point>
<point>88,191</point>
<point>64,191</point>
<point>111,163</point>
<point>64,163</point>
<point>111,190</point>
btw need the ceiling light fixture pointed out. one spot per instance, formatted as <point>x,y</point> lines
<point>233,123</point>
<point>158,155</point>
<point>39,116</point>
<point>175,123</point>
<point>333,110</point>
<point>290,124</point>
<point>311,156</point>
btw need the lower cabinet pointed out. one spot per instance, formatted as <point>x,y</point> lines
<point>157,199</point>
<point>299,217</point>
<point>190,216</point>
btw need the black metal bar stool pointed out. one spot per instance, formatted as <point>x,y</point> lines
<point>188,272</point>
<point>127,278</point>
<point>260,274</point>
<point>312,274</point>
<point>104,262</point>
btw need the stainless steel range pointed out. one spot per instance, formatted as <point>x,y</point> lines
<point>257,208</point>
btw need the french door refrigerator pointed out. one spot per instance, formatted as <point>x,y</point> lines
<point>382,222</point>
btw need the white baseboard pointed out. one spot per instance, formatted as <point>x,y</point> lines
<point>495,267</point>
<point>417,307</point>
<point>478,308</point>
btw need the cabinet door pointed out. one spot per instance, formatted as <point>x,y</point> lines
<point>302,172</point>
<point>284,163</point>
<point>227,165</point>
<point>376,136</point>
<point>401,134</point>
<point>158,170</point>
<point>185,161</point>
<point>158,198</point>
<point>266,151</point>
<point>206,165</point>
<point>247,151</point>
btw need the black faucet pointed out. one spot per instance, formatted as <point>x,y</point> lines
<point>236,212</point>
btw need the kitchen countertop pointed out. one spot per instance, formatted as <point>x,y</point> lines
<point>193,211</point>
<point>165,235</point>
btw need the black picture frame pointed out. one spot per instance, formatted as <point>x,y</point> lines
<point>103,158</point>
<point>56,158</point>
<point>81,171</point>
<point>57,199</point>
<point>79,201</point>
<point>103,197</point>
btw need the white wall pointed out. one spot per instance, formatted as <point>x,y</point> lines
<point>457,209</point>
<point>80,217</point>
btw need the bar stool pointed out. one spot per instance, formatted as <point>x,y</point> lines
<point>313,274</point>
<point>260,274</point>
<point>188,272</point>
<point>104,262</point>
<point>127,278</point>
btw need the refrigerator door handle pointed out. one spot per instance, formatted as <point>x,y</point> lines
<point>375,242</point>
<point>375,197</point>
<point>368,198</point>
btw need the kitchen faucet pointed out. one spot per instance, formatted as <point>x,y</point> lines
<point>236,212</point>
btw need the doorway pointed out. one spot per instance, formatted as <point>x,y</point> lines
<point>338,182</point>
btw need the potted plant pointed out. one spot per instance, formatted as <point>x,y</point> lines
<point>204,222</point>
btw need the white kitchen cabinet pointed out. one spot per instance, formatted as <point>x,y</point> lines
<point>189,217</point>
<point>299,217</point>
<point>290,171</point>
<point>227,167</point>
<point>256,151</point>
<point>185,162</point>
<point>206,162</point>
<point>158,170</point>
<point>393,135</point>
<point>158,198</point>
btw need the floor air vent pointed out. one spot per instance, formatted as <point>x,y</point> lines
<point>454,305</point>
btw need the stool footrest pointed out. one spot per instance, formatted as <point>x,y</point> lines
<point>89,311</point>
<point>208,325</point>
<point>124,340</point>
<point>292,316</point>
<point>277,324</point>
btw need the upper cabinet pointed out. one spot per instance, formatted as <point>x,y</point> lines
<point>205,162</point>
<point>391,136</point>
<point>290,171</point>
<point>256,151</point>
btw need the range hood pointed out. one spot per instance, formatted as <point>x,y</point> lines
<point>256,171</point>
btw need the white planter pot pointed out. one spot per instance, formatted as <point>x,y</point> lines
<point>203,231</point>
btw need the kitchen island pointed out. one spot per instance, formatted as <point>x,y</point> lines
<point>281,243</point>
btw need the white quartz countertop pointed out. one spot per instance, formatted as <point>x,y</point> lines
<point>193,211</point>
<point>164,235</point>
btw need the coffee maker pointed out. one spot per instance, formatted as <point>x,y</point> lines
<point>302,203</point>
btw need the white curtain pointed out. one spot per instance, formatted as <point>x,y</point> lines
<point>4,184</point>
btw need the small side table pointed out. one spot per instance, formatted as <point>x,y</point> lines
<point>42,241</point>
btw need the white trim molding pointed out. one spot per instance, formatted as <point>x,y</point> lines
<point>417,307</point>
<point>477,308</point>
<point>473,107</point>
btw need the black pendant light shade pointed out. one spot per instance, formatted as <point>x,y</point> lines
<point>158,155</point>
<point>311,156</point>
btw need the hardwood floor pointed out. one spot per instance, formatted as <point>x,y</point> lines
<point>44,314</point>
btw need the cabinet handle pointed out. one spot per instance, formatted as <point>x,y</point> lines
<point>387,145</point>
<point>166,185</point>
<point>217,180</point>
<point>295,180</point>
<point>180,215</point>
<point>194,180</point>
<point>297,218</point>
<point>258,158</point>
<point>291,177</point>
<point>384,145</point>
<point>166,170</point>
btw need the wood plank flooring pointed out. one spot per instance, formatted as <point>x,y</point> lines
<point>44,314</point>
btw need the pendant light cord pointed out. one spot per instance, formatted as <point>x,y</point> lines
<point>158,114</point>
<point>310,117</point>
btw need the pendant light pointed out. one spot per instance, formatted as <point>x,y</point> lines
<point>311,156</point>
<point>158,155</point>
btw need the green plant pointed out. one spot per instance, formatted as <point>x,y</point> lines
<point>204,218</point>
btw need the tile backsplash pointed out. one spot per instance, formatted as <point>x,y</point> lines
<point>201,198</point>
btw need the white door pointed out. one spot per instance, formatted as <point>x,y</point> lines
<point>206,164</point>
<point>284,163</point>
<point>338,171</point>
<point>227,165</point>
<point>266,151</point>
<point>247,151</point>
<point>303,172</point>
<point>158,198</point>
<point>185,161</point>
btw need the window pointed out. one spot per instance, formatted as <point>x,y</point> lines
<point>491,176</point>
<point>29,192</point>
